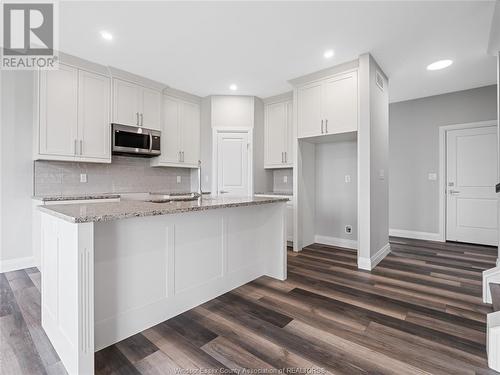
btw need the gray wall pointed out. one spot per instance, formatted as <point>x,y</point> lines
<point>279,186</point>
<point>16,166</point>
<point>414,151</point>
<point>336,200</point>
<point>123,175</point>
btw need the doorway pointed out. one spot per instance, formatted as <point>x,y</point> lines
<point>471,173</point>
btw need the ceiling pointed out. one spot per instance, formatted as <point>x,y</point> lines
<point>203,47</point>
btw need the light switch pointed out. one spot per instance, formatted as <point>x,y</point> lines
<point>432,176</point>
<point>83,177</point>
<point>347,178</point>
<point>285,179</point>
<point>178,179</point>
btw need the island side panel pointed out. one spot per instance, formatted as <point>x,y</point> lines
<point>149,269</point>
<point>67,304</point>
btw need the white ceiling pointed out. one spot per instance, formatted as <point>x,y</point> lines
<point>203,47</point>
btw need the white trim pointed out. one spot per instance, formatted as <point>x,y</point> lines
<point>428,236</point>
<point>371,263</point>
<point>17,264</point>
<point>491,275</point>
<point>336,241</point>
<point>219,130</point>
<point>493,340</point>
<point>442,168</point>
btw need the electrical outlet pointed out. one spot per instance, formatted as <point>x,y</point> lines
<point>347,178</point>
<point>285,179</point>
<point>348,229</point>
<point>83,177</point>
<point>178,179</point>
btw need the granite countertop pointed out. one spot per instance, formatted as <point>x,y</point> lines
<point>54,198</point>
<point>284,193</point>
<point>106,211</point>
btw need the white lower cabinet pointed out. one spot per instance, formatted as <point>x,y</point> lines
<point>180,134</point>
<point>289,213</point>
<point>74,116</point>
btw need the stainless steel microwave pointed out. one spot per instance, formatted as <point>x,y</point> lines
<point>138,141</point>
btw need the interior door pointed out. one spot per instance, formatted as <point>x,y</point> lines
<point>275,139</point>
<point>170,137</point>
<point>58,111</point>
<point>340,103</point>
<point>309,110</point>
<point>151,109</point>
<point>126,103</point>
<point>232,164</point>
<point>94,129</point>
<point>472,172</point>
<point>190,133</point>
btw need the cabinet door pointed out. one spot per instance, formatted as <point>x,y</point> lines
<point>94,129</point>
<point>309,110</point>
<point>276,134</point>
<point>170,135</point>
<point>58,112</point>
<point>151,109</point>
<point>289,133</point>
<point>289,222</point>
<point>340,103</point>
<point>126,102</point>
<point>190,133</point>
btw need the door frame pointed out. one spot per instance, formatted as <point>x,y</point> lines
<point>441,235</point>
<point>216,131</point>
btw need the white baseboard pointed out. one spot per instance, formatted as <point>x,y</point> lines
<point>370,263</point>
<point>336,241</point>
<point>17,264</point>
<point>429,236</point>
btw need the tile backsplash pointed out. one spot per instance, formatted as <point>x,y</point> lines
<point>123,175</point>
<point>279,186</point>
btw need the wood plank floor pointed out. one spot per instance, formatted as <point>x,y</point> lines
<point>418,312</point>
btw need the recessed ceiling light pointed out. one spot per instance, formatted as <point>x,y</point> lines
<point>328,54</point>
<point>106,35</point>
<point>441,64</point>
<point>233,87</point>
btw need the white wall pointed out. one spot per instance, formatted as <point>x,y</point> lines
<point>336,200</point>
<point>16,169</point>
<point>414,151</point>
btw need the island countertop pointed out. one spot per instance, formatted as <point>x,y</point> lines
<point>106,211</point>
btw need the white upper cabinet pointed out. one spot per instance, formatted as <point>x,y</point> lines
<point>94,115</point>
<point>74,116</point>
<point>278,135</point>
<point>58,113</point>
<point>329,106</point>
<point>136,105</point>
<point>180,134</point>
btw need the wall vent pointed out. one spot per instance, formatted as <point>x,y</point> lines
<point>380,80</point>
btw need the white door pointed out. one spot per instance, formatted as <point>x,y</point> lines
<point>58,111</point>
<point>309,110</point>
<point>151,109</point>
<point>170,137</point>
<point>232,164</point>
<point>94,129</point>
<point>340,104</point>
<point>472,172</point>
<point>275,137</point>
<point>190,133</point>
<point>126,108</point>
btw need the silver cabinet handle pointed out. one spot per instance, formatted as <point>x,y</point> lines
<point>321,126</point>
<point>81,147</point>
<point>326,126</point>
<point>142,119</point>
<point>286,157</point>
<point>150,142</point>
<point>183,156</point>
<point>282,157</point>
<point>74,147</point>
<point>180,156</point>
<point>223,192</point>
<point>137,118</point>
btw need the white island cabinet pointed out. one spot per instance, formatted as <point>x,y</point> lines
<point>111,270</point>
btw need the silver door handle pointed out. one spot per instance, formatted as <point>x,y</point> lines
<point>321,126</point>
<point>137,118</point>
<point>142,119</point>
<point>81,147</point>
<point>454,192</point>
<point>326,126</point>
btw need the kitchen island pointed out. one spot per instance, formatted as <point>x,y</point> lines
<point>111,270</point>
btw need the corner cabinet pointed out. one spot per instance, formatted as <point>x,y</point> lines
<point>278,126</point>
<point>180,130</point>
<point>136,105</point>
<point>328,106</point>
<point>73,116</point>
